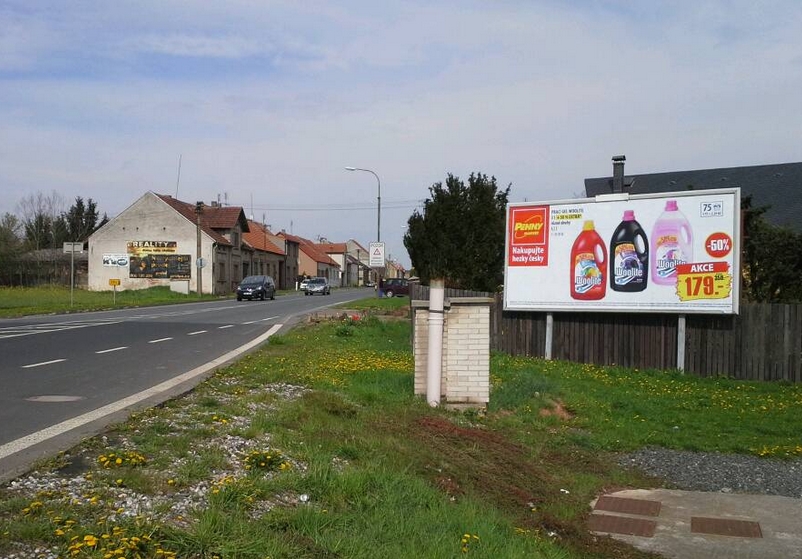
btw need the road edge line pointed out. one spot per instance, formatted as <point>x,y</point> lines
<point>23,443</point>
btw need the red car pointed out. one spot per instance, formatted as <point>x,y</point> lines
<point>394,286</point>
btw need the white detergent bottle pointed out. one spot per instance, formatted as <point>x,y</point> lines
<point>672,244</point>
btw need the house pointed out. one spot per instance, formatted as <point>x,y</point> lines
<point>362,257</point>
<point>349,265</point>
<point>160,240</point>
<point>261,256</point>
<point>311,261</point>
<point>779,186</point>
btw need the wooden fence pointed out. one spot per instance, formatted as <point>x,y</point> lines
<point>763,342</point>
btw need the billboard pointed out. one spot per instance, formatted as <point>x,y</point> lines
<point>676,252</point>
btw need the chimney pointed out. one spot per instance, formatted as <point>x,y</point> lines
<point>618,172</point>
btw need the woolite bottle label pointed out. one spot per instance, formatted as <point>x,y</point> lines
<point>629,256</point>
<point>588,261</point>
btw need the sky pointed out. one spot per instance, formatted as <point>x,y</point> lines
<point>265,103</point>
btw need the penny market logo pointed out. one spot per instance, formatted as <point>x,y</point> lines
<point>529,226</point>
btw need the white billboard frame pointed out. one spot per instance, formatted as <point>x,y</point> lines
<point>534,284</point>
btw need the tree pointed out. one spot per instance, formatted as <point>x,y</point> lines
<point>10,246</point>
<point>772,259</point>
<point>39,213</point>
<point>81,219</point>
<point>459,236</point>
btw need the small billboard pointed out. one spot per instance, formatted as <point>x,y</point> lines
<point>676,252</point>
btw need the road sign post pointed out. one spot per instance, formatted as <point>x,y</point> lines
<point>377,261</point>
<point>72,248</point>
<point>114,283</point>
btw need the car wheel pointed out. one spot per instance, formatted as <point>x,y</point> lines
<point>239,298</point>
<point>273,296</point>
<point>388,293</point>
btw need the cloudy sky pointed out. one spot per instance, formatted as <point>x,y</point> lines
<point>266,102</point>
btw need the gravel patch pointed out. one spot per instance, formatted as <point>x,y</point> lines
<point>718,472</point>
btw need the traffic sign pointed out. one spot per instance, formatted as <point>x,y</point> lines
<point>114,282</point>
<point>73,247</point>
<point>377,255</point>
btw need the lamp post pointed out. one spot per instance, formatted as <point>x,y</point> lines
<point>199,260</point>
<point>378,218</point>
<point>378,201</point>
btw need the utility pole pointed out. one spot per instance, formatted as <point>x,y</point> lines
<point>199,261</point>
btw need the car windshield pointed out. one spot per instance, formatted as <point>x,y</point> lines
<point>251,281</point>
<point>317,280</point>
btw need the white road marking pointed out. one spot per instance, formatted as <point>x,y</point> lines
<point>28,441</point>
<point>226,326</point>
<point>198,332</point>
<point>159,340</point>
<point>112,349</point>
<point>42,364</point>
<point>268,318</point>
<point>250,322</point>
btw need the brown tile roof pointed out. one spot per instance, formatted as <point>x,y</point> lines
<point>212,218</point>
<point>257,238</point>
<point>310,249</point>
<point>332,248</point>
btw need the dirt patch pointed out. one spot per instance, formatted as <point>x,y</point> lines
<point>558,410</point>
<point>482,462</point>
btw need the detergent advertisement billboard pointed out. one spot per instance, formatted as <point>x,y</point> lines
<point>676,252</point>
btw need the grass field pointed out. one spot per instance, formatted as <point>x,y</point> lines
<point>23,301</point>
<point>316,447</point>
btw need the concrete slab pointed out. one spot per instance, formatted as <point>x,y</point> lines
<point>779,518</point>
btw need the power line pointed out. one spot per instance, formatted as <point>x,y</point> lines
<point>338,207</point>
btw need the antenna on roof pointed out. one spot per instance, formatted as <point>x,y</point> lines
<point>179,176</point>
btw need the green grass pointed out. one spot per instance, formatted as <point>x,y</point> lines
<point>624,409</point>
<point>22,301</point>
<point>356,466</point>
<point>378,304</point>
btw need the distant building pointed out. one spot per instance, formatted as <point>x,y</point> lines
<point>155,242</point>
<point>312,262</point>
<point>777,186</point>
<point>261,256</point>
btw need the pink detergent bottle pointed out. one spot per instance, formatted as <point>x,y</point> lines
<point>672,244</point>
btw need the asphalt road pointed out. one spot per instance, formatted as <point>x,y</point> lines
<point>65,377</point>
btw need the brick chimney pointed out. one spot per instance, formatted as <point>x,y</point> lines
<point>618,172</point>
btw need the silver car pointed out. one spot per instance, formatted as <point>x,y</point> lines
<point>317,286</point>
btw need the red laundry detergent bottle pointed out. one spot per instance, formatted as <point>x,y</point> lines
<point>588,262</point>
<point>672,244</point>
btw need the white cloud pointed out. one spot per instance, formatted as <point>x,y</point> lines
<point>273,100</point>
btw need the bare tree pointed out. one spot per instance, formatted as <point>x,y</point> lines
<point>39,213</point>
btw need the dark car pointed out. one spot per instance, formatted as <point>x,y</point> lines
<point>256,287</point>
<point>317,286</point>
<point>395,286</point>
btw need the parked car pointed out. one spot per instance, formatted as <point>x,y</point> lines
<point>395,286</point>
<point>256,287</point>
<point>317,286</point>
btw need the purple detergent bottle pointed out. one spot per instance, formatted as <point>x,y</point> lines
<point>629,256</point>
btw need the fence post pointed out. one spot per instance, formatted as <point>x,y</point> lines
<point>549,335</point>
<point>681,342</point>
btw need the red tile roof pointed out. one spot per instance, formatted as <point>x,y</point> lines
<point>212,218</point>
<point>257,238</point>
<point>332,248</point>
<point>310,249</point>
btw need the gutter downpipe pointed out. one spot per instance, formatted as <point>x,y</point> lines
<point>434,359</point>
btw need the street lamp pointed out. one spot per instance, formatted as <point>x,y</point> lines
<point>378,218</point>
<point>378,200</point>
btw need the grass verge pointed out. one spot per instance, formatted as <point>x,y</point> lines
<point>23,301</point>
<point>315,447</point>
